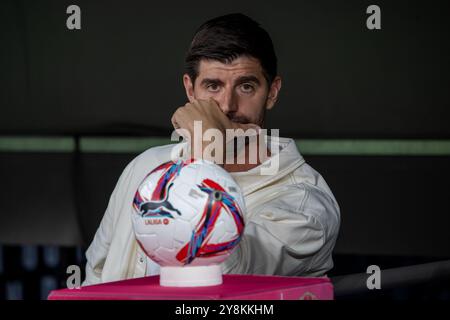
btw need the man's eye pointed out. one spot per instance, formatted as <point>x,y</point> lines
<point>247,88</point>
<point>213,87</point>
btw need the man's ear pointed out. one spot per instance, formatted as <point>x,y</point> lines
<point>189,87</point>
<point>274,90</point>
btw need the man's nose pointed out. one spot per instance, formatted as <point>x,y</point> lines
<point>228,102</point>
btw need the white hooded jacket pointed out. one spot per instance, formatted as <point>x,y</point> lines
<point>291,224</point>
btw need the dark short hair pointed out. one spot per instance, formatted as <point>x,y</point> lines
<point>227,37</point>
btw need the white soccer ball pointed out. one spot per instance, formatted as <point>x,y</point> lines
<point>188,213</point>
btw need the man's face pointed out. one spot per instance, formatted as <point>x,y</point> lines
<point>240,88</point>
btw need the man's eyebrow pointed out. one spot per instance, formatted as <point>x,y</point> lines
<point>207,81</point>
<point>240,80</point>
<point>244,79</point>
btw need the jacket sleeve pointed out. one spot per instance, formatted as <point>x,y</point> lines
<point>293,235</point>
<point>98,250</point>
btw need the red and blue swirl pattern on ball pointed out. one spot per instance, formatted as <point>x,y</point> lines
<point>159,205</point>
<point>199,245</point>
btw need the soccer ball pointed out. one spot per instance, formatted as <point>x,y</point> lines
<point>188,213</point>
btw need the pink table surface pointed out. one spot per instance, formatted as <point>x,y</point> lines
<point>234,287</point>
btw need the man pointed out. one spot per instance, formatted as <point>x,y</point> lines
<point>292,217</point>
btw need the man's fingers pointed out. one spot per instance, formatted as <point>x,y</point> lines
<point>174,121</point>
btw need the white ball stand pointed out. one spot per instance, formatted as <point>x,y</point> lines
<point>191,276</point>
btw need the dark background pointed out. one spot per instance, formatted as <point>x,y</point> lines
<point>120,75</point>
<point>124,66</point>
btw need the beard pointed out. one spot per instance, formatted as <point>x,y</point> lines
<point>245,120</point>
<point>239,119</point>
